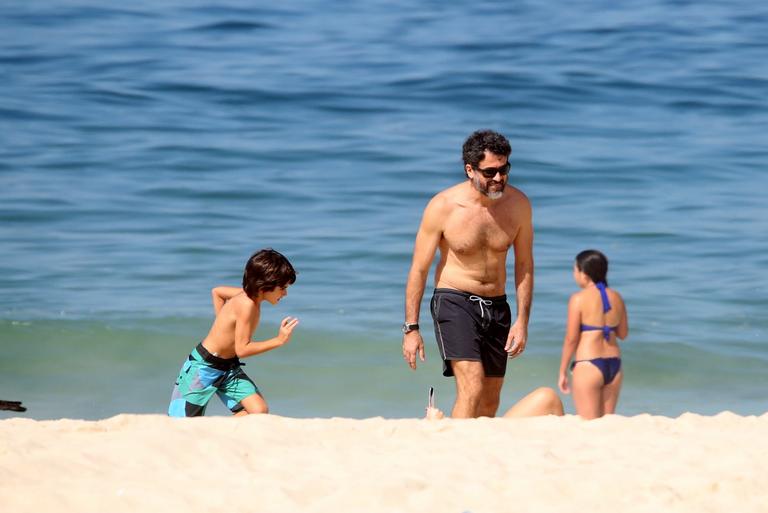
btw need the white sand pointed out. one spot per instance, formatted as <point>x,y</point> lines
<point>137,463</point>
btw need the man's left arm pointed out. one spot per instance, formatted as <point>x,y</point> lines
<point>523,247</point>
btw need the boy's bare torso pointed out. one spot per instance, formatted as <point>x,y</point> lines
<point>220,340</point>
<point>476,239</point>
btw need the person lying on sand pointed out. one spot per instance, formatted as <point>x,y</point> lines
<point>542,401</point>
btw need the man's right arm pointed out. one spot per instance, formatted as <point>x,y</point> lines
<point>427,240</point>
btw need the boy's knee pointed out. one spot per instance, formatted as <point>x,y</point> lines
<point>254,404</point>
<point>251,411</point>
<point>260,408</point>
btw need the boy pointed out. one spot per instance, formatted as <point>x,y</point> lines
<point>214,366</point>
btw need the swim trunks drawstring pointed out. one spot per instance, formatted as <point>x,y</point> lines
<point>481,302</point>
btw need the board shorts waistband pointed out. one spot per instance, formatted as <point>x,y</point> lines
<point>216,362</point>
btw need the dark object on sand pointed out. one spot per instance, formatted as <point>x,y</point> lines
<point>12,406</point>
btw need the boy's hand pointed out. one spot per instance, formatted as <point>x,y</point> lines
<point>286,329</point>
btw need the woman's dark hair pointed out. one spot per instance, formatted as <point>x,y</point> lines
<point>594,264</point>
<point>266,270</point>
<point>474,147</point>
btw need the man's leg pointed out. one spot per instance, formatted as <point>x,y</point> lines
<point>469,388</point>
<point>494,358</point>
<point>489,397</point>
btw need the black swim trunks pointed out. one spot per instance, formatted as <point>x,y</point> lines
<point>471,327</point>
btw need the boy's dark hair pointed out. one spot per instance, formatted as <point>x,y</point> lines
<point>474,147</point>
<point>266,270</point>
<point>594,264</point>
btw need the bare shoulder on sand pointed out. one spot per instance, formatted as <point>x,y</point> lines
<point>542,401</point>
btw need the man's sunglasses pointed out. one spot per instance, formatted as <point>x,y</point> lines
<point>490,172</point>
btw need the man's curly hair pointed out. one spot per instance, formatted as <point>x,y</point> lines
<point>474,147</point>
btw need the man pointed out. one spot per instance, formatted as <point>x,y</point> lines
<point>474,224</point>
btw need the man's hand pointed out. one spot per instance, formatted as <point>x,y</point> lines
<point>516,340</point>
<point>413,343</point>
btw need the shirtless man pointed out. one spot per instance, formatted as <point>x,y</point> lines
<point>474,224</point>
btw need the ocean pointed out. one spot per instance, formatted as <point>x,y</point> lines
<point>147,149</point>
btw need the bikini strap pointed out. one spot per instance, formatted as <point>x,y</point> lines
<point>604,296</point>
<point>606,307</point>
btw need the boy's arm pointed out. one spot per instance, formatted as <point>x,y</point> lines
<point>221,295</point>
<point>245,325</point>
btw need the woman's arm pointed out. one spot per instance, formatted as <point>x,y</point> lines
<point>622,330</point>
<point>570,342</point>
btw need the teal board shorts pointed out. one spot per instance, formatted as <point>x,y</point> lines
<point>204,375</point>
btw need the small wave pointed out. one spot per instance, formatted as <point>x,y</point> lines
<point>232,26</point>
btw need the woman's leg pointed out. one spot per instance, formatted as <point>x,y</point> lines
<point>611,393</point>
<point>587,390</point>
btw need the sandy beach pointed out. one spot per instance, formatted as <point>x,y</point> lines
<point>132,463</point>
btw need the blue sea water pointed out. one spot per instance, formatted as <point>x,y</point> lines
<point>147,149</point>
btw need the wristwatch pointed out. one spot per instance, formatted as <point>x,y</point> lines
<point>410,326</point>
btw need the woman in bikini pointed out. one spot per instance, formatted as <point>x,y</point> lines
<point>596,318</point>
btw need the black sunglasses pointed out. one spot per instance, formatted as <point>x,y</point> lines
<point>490,172</point>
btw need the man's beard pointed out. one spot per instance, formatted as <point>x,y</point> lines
<point>484,189</point>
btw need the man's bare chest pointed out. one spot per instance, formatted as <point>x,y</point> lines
<point>468,231</point>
